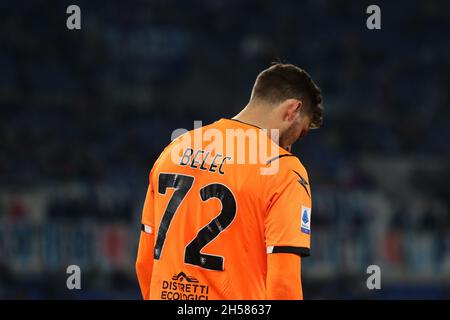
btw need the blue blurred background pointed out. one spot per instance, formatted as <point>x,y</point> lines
<point>85,113</point>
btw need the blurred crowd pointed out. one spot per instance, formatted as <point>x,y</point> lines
<point>84,114</point>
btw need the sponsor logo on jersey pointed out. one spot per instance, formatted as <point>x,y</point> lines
<point>306,220</point>
<point>183,287</point>
<point>182,276</point>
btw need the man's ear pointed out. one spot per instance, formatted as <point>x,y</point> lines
<point>292,108</point>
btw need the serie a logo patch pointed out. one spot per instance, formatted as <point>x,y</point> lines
<point>306,220</point>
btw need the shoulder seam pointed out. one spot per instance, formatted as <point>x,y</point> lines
<point>280,156</point>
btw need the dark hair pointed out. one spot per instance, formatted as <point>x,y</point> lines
<point>286,81</point>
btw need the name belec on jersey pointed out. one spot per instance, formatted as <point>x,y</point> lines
<point>191,157</point>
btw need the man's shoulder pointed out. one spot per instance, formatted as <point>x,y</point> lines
<point>288,162</point>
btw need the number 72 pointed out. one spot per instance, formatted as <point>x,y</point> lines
<point>192,254</point>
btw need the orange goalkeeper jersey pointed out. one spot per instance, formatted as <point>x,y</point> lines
<point>218,202</point>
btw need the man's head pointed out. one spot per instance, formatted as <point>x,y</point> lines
<point>290,98</point>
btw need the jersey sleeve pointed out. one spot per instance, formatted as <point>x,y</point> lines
<point>148,210</point>
<point>288,215</point>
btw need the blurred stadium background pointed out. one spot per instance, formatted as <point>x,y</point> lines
<point>85,113</point>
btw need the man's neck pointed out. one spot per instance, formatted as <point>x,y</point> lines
<point>257,116</point>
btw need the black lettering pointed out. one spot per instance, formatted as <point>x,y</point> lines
<point>194,162</point>
<point>185,158</point>
<point>202,166</point>
<point>213,166</point>
<point>220,168</point>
